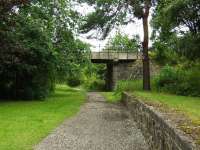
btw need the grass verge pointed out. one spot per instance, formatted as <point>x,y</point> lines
<point>188,105</point>
<point>24,123</point>
<point>186,110</point>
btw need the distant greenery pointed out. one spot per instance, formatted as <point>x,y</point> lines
<point>123,43</point>
<point>25,123</point>
<point>94,77</point>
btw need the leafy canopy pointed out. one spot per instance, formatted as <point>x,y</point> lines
<point>177,26</point>
<point>123,43</point>
<point>38,47</point>
<point>111,13</point>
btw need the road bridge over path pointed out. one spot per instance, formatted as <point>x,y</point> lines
<point>119,65</point>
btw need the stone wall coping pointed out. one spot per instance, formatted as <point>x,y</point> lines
<point>136,106</point>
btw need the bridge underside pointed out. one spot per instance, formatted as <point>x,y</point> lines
<point>119,66</point>
<point>105,61</point>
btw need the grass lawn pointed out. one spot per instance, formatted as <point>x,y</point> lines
<point>25,123</point>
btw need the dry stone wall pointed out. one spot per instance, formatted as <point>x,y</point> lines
<point>159,133</point>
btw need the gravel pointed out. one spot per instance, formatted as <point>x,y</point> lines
<point>98,126</point>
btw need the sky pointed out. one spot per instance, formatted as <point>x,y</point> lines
<point>131,29</point>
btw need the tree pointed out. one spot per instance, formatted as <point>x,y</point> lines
<point>183,28</point>
<point>38,47</point>
<point>111,13</point>
<point>123,43</point>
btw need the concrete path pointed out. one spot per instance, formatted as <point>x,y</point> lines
<point>98,126</point>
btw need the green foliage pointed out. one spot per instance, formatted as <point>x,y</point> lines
<point>96,85</point>
<point>27,59</point>
<point>187,15</point>
<point>123,43</point>
<point>164,54</point>
<point>94,77</point>
<point>167,79</point>
<point>188,46</point>
<point>179,81</point>
<point>73,81</point>
<point>177,25</point>
<point>111,13</point>
<point>37,48</point>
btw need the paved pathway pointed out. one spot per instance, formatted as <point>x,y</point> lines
<point>98,126</point>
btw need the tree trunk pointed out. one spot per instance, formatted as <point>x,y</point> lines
<point>145,44</point>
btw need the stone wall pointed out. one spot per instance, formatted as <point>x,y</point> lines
<point>159,133</point>
<point>130,71</point>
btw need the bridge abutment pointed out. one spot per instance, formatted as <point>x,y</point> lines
<point>120,71</point>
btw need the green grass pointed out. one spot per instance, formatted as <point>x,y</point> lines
<point>25,123</point>
<point>111,97</point>
<point>188,105</point>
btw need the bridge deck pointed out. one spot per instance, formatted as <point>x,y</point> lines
<point>114,56</point>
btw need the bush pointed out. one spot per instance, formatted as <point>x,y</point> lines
<point>97,85</point>
<point>179,81</point>
<point>94,84</point>
<point>167,79</point>
<point>192,82</point>
<point>73,81</point>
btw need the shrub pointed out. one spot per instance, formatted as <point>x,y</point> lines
<point>73,81</point>
<point>97,85</point>
<point>179,81</point>
<point>193,81</point>
<point>167,80</point>
<point>94,83</point>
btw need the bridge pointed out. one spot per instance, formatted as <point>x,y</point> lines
<point>114,56</point>
<point>119,65</point>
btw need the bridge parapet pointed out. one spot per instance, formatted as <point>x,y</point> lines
<point>115,56</point>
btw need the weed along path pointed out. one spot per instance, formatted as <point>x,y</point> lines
<point>98,126</point>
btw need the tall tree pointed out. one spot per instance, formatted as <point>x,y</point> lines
<point>111,13</point>
<point>180,32</point>
<point>37,47</point>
